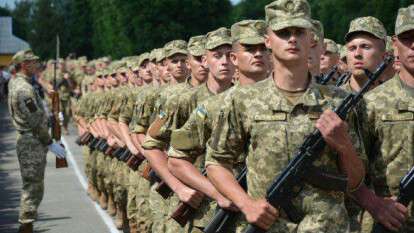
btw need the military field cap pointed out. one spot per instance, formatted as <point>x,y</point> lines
<point>331,46</point>
<point>160,55</point>
<point>219,37</point>
<point>405,20</point>
<point>175,47</point>
<point>24,55</point>
<point>282,14</point>
<point>98,73</point>
<point>388,46</point>
<point>106,59</point>
<point>343,51</point>
<point>153,55</point>
<point>317,29</point>
<point>369,25</point>
<point>197,45</point>
<point>249,32</point>
<point>143,57</point>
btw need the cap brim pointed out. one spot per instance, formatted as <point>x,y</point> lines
<point>252,40</point>
<point>218,44</point>
<point>350,34</point>
<point>180,51</point>
<point>405,28</point>
<point>196,52</point>
<point>298,22</point>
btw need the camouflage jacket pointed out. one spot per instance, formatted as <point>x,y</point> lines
<point>26,109</point>
<point>389,133</point>
<point>259,123</point>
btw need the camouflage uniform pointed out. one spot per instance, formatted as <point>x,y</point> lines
<point>30,121</point>
<point>254,120</point>
<point>389,127</point>
<point>161,140</point>
<point>374,27</point>
<point>189,142</point>
<point>260,124</point>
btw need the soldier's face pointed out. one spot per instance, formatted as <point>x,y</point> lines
<point>328,60</point>
<point>364,52</point>
<point>177,66</point>
<point>251,60</point>
<point>219,63</point>
<point>317,48</point>
<point>289,44</point>
<point>198,70</point>
<point>404,47</point>
<point>145,72</point>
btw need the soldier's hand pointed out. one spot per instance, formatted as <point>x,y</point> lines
<point>190,196</point>
<point>58,149</point>
<point>334,130</point>
<point>260,213</point>
<point>226,204</point>
<point>390,213</point>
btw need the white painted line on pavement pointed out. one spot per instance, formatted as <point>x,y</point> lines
<point>105,217</point>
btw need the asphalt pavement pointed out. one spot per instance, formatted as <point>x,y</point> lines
<point>65,207</point>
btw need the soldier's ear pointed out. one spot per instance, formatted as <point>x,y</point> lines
<point>267,41</point>
<point>234,59</point>
<point>204,61</point>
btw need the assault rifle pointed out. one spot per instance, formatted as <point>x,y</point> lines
<point>56,130</point>
<point>326,78</point>
<point>405,197</point>
<point>281,191</point>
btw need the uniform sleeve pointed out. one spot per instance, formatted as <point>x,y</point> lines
<point>188,142</point>
<point>27,109</point>
<point>125,115</point>
<point>117,105</point>
<point>159,131</point>
<point>228,139</point>
<point>144,113</point>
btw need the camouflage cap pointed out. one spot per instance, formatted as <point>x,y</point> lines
<point>24,55</point>
<point>175,47</point>
<point>219,37</point>
<point>160,55</point>
<point>369,25</point>
<point>197,45</point>
<point>317,29</point>
<point>249,32</point>
<point>388,46</point>
<point>143,57</point>
<point>405,20</point>
<point>331,46</point>
<point>282,14</point>
<point>343,51</point>
<point>153,55</point>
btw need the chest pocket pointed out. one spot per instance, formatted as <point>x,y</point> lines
<point>268,134</point>
<point>397,131</point>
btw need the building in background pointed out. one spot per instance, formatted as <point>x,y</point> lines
<point>9,44</point>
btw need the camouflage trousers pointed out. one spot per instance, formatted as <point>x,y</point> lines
<point>159,208</point>
<point>121,176</point>
<point>93,177</point>
<point>100,171</point>
<point>172,225</point>
<point>32,160</point>
<point>138,209</point>
<point>86,159</point>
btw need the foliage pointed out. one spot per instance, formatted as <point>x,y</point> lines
<point>123,27</point>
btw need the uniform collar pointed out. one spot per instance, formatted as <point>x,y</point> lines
<point>311,98</point>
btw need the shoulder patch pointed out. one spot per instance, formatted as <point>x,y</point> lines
<point>30,105</point>
<point>201,112</point>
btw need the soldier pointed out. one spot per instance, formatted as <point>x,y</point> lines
<point>33,140</point>
<point>389,126</point>
<point>365,43</point>
<point>265,123</point>
<point>188,143</point>
<point>330,57</point>
<point>317,48</point>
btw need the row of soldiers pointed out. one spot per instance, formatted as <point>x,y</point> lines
<point>247,97</point>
